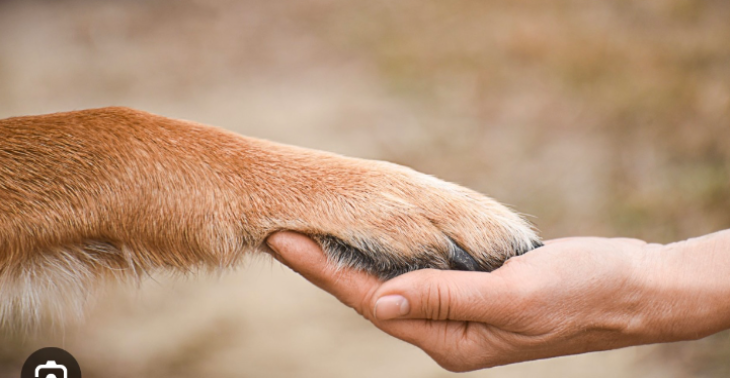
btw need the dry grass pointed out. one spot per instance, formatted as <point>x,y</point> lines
<point>607,118</point>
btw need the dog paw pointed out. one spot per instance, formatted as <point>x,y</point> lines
<point>388,220</point>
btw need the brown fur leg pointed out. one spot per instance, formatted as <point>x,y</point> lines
<point>116,192</point>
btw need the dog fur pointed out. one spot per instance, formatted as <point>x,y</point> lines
<point>115,193</point>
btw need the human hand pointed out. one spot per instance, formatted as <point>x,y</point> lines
<point>571,296</point>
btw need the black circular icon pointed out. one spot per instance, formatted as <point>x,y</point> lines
<point>51,363</point>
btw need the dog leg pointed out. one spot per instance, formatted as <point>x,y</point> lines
<point>116,192</point>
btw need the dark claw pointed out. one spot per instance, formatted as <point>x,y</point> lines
<point>460,260</point>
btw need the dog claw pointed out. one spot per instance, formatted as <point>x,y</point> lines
<point>460,260</point>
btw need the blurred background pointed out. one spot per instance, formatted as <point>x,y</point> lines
<point>607,118</point>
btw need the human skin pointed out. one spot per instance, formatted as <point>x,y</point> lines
<point>573,295</point>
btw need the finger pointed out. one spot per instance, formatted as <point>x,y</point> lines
<point>357,289</point>
<point>449,295</point>
<point>456,346</point>
<point>300,253</point>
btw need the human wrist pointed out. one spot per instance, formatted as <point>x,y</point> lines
<point>687,291</point>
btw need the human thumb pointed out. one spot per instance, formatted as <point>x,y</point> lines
<point>443,295</point>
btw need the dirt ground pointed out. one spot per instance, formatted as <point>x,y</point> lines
<point>607,118</point>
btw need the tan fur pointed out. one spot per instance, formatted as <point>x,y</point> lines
<point>116,192</point>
